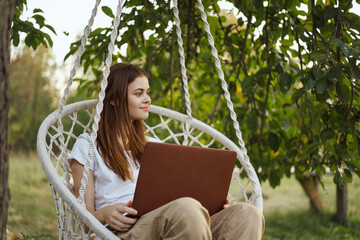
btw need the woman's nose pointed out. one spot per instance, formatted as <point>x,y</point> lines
<point>147,98</point>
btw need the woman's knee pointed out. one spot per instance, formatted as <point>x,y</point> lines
<point>249,212</point>
<point>189,207</point>
<point>190,218</point>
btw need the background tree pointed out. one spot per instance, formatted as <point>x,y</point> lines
<point>292,67</point>
<point>7,20</point>
<point>32,96</point>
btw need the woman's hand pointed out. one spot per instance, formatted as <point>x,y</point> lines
<point>227,203</point>
<point>114,216</point>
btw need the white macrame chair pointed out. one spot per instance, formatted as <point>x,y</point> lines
<point>60,129</point>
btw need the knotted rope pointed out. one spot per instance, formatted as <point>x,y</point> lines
<point>183,72</point>
<point>99,105</point>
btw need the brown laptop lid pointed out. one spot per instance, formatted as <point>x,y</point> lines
<point>169,172</point>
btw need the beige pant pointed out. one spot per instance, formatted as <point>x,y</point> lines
<point>187,219</point>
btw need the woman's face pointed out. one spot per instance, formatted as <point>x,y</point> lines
<point>139,98</point>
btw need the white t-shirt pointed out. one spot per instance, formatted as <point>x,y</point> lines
<point>109,187</point>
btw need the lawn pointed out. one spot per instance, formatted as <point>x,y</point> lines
<point>32,211</point>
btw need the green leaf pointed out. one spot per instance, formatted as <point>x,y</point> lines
<point>319,55</point>
<point>335,74</point>
<point>29,40</point>
<point>252,122</point>
<point>50,28</point>
<point>50,41</point>
<point>343,92</point>
<point>321,85</point>
<point>37,10</point>
<point>329,12</point>
<point>309,83</point>
<point>284,81</point>
<point>310,148</point>
<point>39,20</point>
<point>347,50</point>
<point>355,70</point>
<point>353,20</point>
<point>296,95</point>
<point>356,43</point>
<point>338,42</point>
<point>347,176</point>
<point>107,11</point>
<point>326,134</point>
<point>274,141</point>
<point>341,149</point>
<point>247,83</point>
<point>318,73</point>
<point>356,163</point>
<point>15,39</point>
<point>338,180</point>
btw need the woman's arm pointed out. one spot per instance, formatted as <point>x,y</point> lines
<point>113,214</point>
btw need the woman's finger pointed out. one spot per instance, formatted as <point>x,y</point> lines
<point>124,209</point>
<point>118,225</point>
<point>127,220</point>
<point>227,203</point>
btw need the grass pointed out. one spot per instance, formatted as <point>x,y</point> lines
<point>288,216</point>
<point>32,208</point>
<point>286,208</point>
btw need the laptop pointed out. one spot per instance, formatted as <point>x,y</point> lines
<point>171,171</point>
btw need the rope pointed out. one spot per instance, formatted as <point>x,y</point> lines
<point>99,105</point>
<point>78,57</point>
<point>225,87</point>
<point>183,73</point>
<point>70,80</point>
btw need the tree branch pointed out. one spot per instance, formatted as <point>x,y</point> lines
<point>262,120</point>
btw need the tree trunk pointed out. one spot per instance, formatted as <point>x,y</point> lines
<point>6,15</point>
<point>311,188</point>
<point>341,203</point>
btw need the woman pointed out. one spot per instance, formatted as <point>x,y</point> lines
<point>115,168</point>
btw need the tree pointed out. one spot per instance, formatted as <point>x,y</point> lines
<point>8,8</point>
<point>31,104</point>
<point>293,73</point>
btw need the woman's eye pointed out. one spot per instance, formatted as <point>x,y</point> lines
<point>138,94</point>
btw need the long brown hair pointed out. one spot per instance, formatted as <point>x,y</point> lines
<point>118,135</point>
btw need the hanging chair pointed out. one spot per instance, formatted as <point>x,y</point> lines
<point>59,131</point>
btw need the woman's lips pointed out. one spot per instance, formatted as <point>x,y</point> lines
<point>145,109</point>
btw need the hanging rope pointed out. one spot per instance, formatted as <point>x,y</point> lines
<point>183,72</point>
<point>99,105</point>
<point>69,83</point>
<point>78,57</point>
<point>226,91</point>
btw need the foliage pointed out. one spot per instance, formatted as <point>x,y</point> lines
<point>35,35</point>
<point>32,96</point>
<point>292,68</point>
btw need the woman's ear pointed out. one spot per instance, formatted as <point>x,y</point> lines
<point>112,103</point>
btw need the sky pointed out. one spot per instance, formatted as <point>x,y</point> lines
<point>69,16</point>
